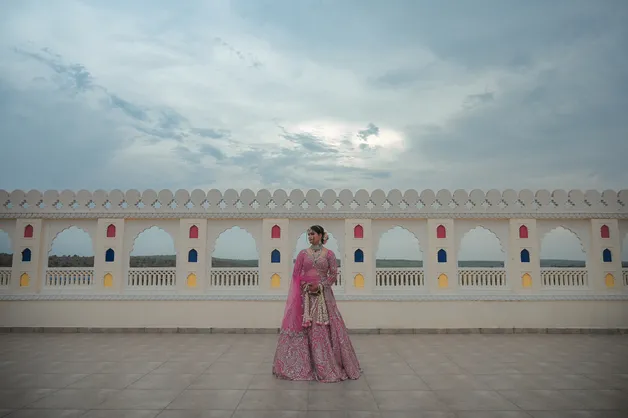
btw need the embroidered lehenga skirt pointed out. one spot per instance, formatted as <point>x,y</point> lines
<point>321,352</point>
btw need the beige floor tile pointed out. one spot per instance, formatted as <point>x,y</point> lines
<point>200,399</point>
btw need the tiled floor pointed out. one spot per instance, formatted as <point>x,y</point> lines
<point>229,375</point>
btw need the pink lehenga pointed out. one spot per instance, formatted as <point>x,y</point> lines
<point>313,341</point>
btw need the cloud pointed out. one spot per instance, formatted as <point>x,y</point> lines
<point>284,94</point>
<point>474,100</point>
<point>309,142</point>
<point>370,130</point>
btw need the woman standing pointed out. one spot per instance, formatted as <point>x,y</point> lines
<point>313,342</point>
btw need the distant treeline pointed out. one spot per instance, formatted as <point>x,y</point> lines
<point>170,261</point>
<point>389,263</point>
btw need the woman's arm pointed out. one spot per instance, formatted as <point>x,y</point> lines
<point>332,272</point>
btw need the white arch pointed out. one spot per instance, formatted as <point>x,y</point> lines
<point>133,229</point>
<point>230,228</point>
<point>404,233</point>
<point>562,235</point>
<point>156,229</point>
<point>624,249</point>
<point>233,229</point>
<point>6,248</point>
<point>486,235</point>
<point>55,228</point>
<point>146,229</point>
<point>152,228</point>
<point>573,232</point>
<point>86,251</point>
<point>69,229</point>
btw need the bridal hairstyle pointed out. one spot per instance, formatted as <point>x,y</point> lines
<point>321,231</point>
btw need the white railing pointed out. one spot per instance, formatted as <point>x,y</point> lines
<point>485,278</point>
<point>5,276</point>
<point>625,274</point>
<point>77,277</point>
<point>152,277</point>
<point>564,277</point>
<point>399,278</point>
<point>234,277</point>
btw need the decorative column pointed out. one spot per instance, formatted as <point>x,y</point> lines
<point>275,258</point>
<point>109,257</point>
<point>604,262</point>
<point>358,264</point>
<point>29,257</point>
<point>441,263</point>
<point>523,272</point>
<point>191,250</point>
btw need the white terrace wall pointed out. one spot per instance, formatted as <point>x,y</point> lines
<point>195,294</point>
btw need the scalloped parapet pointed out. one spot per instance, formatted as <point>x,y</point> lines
<point>301,204</point>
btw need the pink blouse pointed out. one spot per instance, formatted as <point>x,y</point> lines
<point>325,266</point>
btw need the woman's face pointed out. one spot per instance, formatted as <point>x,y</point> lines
<point>314,238</point>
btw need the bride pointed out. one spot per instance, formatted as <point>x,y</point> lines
<point>313,342</point>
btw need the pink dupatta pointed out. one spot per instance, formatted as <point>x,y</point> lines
<point>293,314</point>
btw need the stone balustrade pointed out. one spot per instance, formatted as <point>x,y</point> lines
<point>5,276</point>
<point>152,278</point>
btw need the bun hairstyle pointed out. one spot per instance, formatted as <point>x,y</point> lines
<point>320,231</point>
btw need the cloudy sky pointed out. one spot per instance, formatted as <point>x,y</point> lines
<point>313,94</point>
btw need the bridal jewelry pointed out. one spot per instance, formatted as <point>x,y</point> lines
<point>316,251</point>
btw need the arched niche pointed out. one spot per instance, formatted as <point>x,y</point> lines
<point>443,281</point>
<point>358,281</point>
<point>153,247</point>
<point>562,248</point>
<point>526,280</point>
<point>398,247</point>
<point>25,280</point>
<point>275,281</point>
<point>70,246</point>
<point>110,255</point>
<point>29,231</point>
<point>108,280</point>
<point>524,232</point>
<point>191,281</point>
<point>481,245</point>
<point>234,247</point>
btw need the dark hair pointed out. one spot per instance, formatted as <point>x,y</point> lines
<point>320,231</point>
